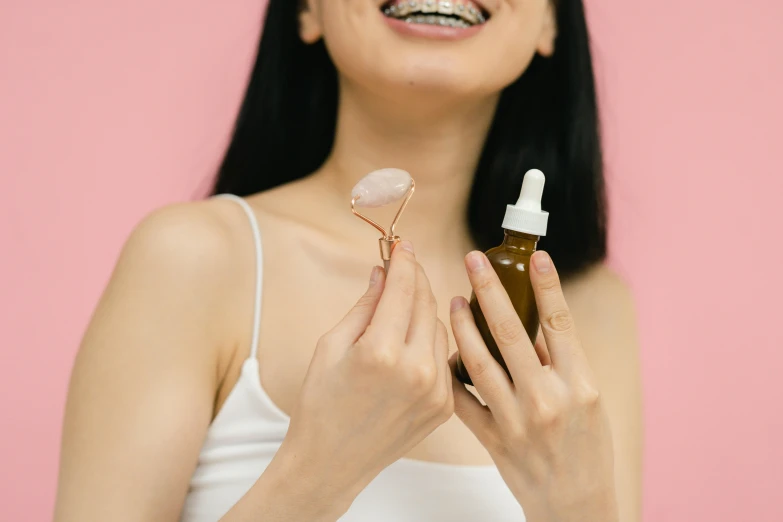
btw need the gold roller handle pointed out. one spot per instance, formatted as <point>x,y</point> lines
<point>387,245</point>
<point>388,240</point>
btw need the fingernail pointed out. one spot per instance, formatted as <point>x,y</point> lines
<point>407,245</point>
<point>542,262</point>
<point>476,261</point>
<point>374,275</point>
<point>457,303</point>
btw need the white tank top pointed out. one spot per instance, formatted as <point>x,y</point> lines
<point>249,429</point>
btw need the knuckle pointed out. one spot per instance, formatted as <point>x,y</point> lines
<point>483,284</point>
<point>421,377</point>
<point>508,330</point>
<point>546,414</point>
<point>426,298</point>
<point>403,254</point>
<point>477,368</point>
<point>365,301</point>
<point>438,401</point>
<point>383,357</point>
<point>516,434</point>
<point>407,288</point>
<point>549,285</point>
<point>446,415</point>
<point>560,321</point>
<point>325,341</point>
<point>587,395</point>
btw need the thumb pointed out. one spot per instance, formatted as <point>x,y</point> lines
<point>358,318</point>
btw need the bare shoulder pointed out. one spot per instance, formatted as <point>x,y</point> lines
<point>142,391</point>
<point>188,237</point>
<point>599,284</point>
<point>603,307</point>
<point>187,262</point>
<point>600,294</point>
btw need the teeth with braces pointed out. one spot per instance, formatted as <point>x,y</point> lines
<point>468,13</point>
<point>445,7</point>
<point>437,20</point>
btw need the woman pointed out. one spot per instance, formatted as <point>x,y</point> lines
<point>181,394</point>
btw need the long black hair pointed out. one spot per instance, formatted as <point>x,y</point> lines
<point>547,119</point>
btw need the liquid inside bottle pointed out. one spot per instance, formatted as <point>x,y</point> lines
<point>523,224</point>
<point>511,262</point>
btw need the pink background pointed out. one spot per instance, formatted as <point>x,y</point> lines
<point>108,109</point>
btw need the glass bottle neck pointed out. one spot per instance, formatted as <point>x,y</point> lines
<point>520,241</point>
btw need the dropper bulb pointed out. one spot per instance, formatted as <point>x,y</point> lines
<point>526,216</point>
<point>532,191</point>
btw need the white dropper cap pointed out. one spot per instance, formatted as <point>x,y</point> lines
<point>526,216</point>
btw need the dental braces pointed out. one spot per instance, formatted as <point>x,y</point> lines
<point>468,13</point>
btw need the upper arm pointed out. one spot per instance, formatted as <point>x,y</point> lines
<point>607,326</point>
<point>142,388</point>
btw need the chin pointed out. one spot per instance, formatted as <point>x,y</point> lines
<point>428,48</point>
<point>433,76</point>
<point>428,68</point>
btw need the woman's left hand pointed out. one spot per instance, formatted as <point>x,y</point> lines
<point>547,431</point>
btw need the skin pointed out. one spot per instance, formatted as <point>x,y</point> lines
<point>168,338</point>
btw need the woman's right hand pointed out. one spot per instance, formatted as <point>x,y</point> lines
<point>378,384</point>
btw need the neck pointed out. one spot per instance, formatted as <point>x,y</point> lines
<point>438,142</point>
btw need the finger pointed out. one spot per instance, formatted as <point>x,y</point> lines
<point>487,375</point>
<point>557,323</point>
<point>503,322</point>
<point>476,416</point>
<point>424,319</point>
<point>441,354</point>
<point>541,350</point>
<point>393,315</point>
<point>358,318</point>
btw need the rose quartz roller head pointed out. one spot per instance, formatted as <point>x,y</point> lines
<point>378,189</point>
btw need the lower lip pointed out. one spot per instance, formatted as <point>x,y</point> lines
<point>434,32</point>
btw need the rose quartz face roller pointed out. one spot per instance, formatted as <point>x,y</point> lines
<point>378,189</point>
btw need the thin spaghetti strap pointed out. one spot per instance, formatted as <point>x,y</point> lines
<point>251,216</point>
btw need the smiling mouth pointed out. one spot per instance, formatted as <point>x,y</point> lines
<point>448,13</point>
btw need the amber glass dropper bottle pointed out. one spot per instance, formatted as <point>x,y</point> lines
<point>523,225</point>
